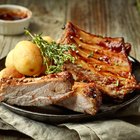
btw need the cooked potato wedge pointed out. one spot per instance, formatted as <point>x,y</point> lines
<point>48,39</point>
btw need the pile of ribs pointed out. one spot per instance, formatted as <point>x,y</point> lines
<point>101,69</point>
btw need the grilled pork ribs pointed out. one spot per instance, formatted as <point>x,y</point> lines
<point>101,60</point>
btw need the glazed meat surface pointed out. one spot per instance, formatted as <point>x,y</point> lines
<point>86,98</point>
<point>40,91</point>
<point>102,60</point>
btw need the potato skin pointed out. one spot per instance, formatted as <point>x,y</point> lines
<point>48,39</point>
<point>9,62</point>
<point>27,58</point>
<point>10,72</point>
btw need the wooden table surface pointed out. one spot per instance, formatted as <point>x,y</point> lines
<point>115,18</point>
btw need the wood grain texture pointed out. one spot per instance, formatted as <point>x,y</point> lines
<point>104,17</point>
<point>115,18</point>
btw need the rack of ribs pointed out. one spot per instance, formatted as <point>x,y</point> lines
<point>101,60</point>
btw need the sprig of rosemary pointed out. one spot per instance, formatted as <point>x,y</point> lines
<point>54,54</point>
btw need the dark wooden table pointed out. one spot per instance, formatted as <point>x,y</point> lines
<point>115,18</point>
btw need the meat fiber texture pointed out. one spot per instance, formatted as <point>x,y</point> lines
<point>101,60</point>
<point>86,98</point>
<point>40,91</point>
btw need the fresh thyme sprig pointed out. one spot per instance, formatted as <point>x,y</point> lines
<point>54,54</point>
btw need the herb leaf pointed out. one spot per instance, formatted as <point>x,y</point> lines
<point>90,54</point>
<point>117,83</point>
<point>54,54</point>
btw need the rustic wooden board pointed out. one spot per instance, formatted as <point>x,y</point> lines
<point>116,18</point>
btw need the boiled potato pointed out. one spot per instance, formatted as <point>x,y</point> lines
<point>10,72</point>
<point>9,59</point>
<point>27,58</point>
<point>48,39</point>
<point>42,71</point>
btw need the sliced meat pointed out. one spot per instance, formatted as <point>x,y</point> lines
<point>102,60</point>
<point>36,91</point>
<point>86,98</point>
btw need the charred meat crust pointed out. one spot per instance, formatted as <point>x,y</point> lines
<point>24,80</point>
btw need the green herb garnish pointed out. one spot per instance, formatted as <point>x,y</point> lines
<point>54,54</point>
<point>79,65</point>
<point>90,55</point>
<point>117,83</point>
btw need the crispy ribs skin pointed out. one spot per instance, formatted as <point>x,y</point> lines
<point>102,60</point>
<point>86,98</point>
<point>40,91</point>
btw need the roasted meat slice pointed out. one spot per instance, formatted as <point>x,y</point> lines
<point>102,60</point>
<point>40,91</point>
<point>86,98</point>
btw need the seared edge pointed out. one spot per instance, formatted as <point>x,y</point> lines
<point>86,98</point>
